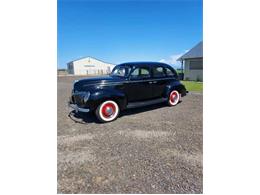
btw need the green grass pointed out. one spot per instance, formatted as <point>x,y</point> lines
<point>193,85</point>
<point>179,71</point>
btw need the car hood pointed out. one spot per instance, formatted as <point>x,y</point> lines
<point>82,84</point>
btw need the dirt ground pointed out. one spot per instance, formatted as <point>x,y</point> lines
<point>155,149</point>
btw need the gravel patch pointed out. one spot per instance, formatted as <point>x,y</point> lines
<point>72,139</point>
<point>75,156</point>
<point>141,134</point>
<point>155,149</point>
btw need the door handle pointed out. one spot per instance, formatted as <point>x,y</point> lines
<point>151,82</point>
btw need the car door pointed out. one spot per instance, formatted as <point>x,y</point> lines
<point>159,83</point>
<point>138,87</point>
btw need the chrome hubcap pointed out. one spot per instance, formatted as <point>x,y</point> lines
<point>109,110</point>
<point>173,97</point>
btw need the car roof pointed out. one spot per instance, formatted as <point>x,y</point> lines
<point>144,63</point>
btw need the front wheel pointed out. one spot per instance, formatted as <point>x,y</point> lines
<point>107,111</point>
<point>173,98</point>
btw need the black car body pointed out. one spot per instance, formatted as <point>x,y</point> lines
<point>129,85</point>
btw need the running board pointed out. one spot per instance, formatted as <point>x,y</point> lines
<point>146,103</point>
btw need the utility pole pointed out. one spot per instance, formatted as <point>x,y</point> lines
<point>182,66</point>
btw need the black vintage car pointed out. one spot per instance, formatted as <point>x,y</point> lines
<point>129,85</point>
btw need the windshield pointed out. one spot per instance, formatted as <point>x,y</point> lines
<point>121,71</point>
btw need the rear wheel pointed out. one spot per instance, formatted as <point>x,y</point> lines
<point>173,98</point>
<point>107,111</point>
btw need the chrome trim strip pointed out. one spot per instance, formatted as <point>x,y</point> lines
<point>162,79</point>
<point>122,82</point>
<point>80,93</point>
<point>78,109</point>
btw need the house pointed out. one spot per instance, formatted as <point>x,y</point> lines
<point>193,63</point>
<point>89,66</point>
<point>62,72</point>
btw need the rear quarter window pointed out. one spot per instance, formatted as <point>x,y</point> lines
<point>170,72</point>
<point>158,71</point>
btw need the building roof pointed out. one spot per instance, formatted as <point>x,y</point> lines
<point>195,52</point>
<point>90,58</point>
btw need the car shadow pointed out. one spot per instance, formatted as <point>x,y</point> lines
<point>142,109</point>
<point>85,118</point>
<point>133,111</point>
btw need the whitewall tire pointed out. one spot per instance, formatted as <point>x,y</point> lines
<point>174,98</point>
<point>107,111</point>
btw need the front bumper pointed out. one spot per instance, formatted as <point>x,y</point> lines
<point>77,109</point>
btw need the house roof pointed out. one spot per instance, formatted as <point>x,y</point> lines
<point>195,52</point>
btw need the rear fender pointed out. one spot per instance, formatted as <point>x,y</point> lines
<point>174,85</point>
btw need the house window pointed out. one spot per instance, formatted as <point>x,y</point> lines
<point>89,65</point>
<point>196,65</point>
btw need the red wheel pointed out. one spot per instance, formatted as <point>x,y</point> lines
<point>107,111</point>
<point>174,98</point>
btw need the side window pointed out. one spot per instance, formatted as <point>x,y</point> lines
<point>158,71</point>
<point>135,73</point>
<point>169,72</point>
<point>140,72</point>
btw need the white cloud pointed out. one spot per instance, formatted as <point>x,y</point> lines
<point>172,60</point>
<point>163,60</point>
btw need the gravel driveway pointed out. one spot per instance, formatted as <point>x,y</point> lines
<point>155,149</point>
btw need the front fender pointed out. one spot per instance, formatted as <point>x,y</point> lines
<point>99,96</point>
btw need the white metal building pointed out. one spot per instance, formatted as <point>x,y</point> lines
<point>89,66</point>
<point>193,63</point>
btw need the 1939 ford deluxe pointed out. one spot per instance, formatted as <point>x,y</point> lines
<point>130,85</point>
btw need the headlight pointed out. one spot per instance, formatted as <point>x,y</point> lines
<point>86,96</point>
